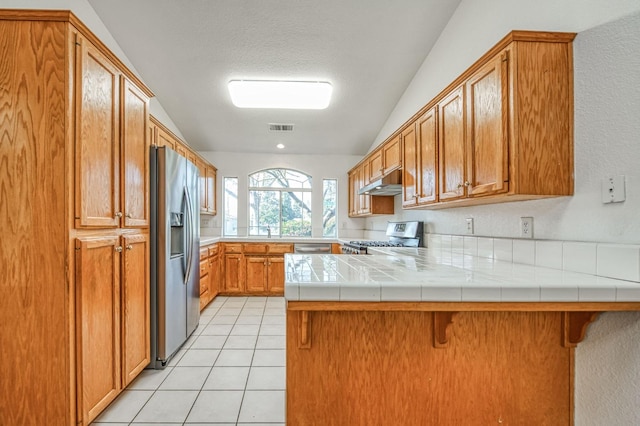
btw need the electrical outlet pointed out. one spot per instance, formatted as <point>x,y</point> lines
<point>470,225</point>
<point>613,190</point>
<point>526,227</point>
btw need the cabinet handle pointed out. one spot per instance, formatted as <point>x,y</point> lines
<point>467,184</point>
<point>118,214</point>
<point>119,249</point>
<point>129,247</point>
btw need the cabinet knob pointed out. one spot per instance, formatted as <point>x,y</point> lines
<point>118,214</point>
<point>129,247</point>
<point>119,249</point>
<point>467,183</point>
<point>459,185</point>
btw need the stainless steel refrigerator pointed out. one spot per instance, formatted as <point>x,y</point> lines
<point>175,247</point>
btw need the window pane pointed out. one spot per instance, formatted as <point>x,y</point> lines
<point>264,212</point>
<point>230,206</point>
<point>329,207</point>
<point>296,214</point>
<point>279,178</point>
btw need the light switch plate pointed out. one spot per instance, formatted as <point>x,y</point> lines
<point>470,225</point>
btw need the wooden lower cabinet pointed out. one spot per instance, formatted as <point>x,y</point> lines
<point>374,367</point>
<point>97,323</point>
<point>275,274</point>
<point>209,274</point>
<point>136,314</point>
<point>255,268</point>
<point>233,273</point>
<point>112,317</point>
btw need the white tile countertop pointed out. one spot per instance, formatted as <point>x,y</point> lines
<point>420,274</point>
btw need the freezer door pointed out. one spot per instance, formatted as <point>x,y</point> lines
<point>173,238</point>
<point>192,280</point>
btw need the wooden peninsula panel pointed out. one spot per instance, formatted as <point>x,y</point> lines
<point>374,367</point>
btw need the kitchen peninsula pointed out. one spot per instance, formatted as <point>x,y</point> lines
<point>432,336</point>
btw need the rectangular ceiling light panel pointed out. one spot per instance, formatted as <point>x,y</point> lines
<point>280,94</point>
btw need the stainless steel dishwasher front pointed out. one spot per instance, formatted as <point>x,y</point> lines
<point>312,248</point>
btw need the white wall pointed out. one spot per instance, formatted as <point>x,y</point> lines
<point>83,10</point>
<point>607,142</point>
<point>241,165</point>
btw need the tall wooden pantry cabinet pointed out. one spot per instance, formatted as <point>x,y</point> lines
<point>74,217</point>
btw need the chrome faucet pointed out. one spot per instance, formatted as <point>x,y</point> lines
<point>268,231</point>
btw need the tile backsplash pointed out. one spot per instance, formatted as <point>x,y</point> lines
<point>619,261</point>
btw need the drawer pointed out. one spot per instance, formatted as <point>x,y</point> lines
<point>213,250</point>
<point>204,253</point>
<point>204,267</point>
<point>280,248</point>
<point>255,248</point>
<point>233,248</point>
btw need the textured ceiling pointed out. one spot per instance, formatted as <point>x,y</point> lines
<point>187,51</point>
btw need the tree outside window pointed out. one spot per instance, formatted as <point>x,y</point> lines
<point>329,207</point>
<point>280,203</point>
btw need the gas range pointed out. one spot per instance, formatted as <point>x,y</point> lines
<point>401,234</point>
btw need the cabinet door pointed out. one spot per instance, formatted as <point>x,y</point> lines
<point>256,273</point>
<point>135,156</point>
<point>376,166</point>
<point>97,324</point>
<point>211,190</point>
<point>214,271</point>
<point>354,199</point>
<point>152,134</point>
<point>410,171</point>
<point>427,135</point>
<point>135,306</point>
<point>233,276</point>
<point>205,284</point>
<point>487,133</point>
<point>181,149</point>
<point>451,145</point>
<point>391,155</point>
<point>97,139</point>
<point>275,274</point>
<point>164,139</point>
<point>364,205</point>
<point>202,169</point>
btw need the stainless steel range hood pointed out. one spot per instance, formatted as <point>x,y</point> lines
<point>389,185</point>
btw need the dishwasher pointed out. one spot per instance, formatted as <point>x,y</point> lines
<point>312,248</point>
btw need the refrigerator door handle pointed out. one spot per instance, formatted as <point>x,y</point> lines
<point>187,275</point>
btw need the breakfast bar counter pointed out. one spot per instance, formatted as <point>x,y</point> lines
<point>419,337</point>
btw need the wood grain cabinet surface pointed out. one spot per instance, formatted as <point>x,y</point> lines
<point>75,141</point>
<point>209,274</point>
<point>254,268</point>
<point>162,136</point>
<point>502,131</point>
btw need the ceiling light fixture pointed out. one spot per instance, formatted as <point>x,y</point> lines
<point>280,146</point>
<point>280,94</point>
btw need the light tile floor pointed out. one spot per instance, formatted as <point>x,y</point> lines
<point>231,371</point>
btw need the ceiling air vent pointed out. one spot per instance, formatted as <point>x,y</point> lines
<point>273,127</point>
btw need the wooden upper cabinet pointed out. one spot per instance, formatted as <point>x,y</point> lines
<point>165,139</point>
<point>487,103</point>
<point>392,156</point>
<point>202,169</point>
<point>135,306</point>
<point>211,175</point>
<point>135,156</point>
<point>97,323</point>
<point>411,169</point>
<point>375,166</point>
<point>181,149</point>
<point>427,136</point>
<point>451,150</point>
<point>97,198</point>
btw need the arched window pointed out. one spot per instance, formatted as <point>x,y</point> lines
<point>280,203</point>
